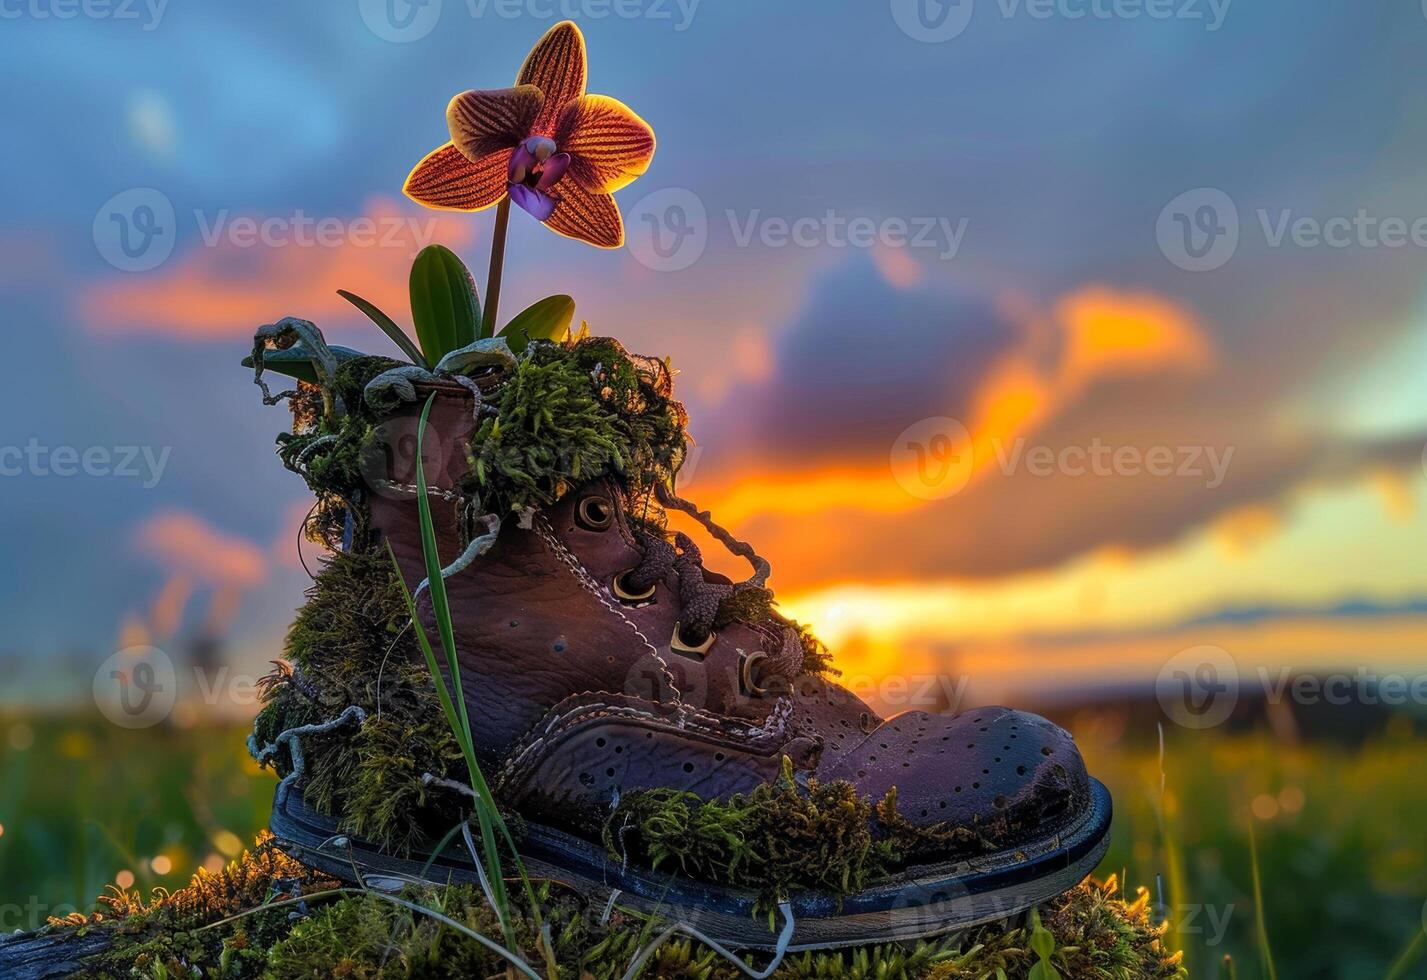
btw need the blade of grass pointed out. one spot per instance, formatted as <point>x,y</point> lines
<point>1265,951</point>
<point>488,814</point>
<point>1409,956</point>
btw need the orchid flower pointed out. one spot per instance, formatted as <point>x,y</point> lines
<point>544,144</point>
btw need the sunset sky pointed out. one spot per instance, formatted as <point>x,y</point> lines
<point>1120,458</point>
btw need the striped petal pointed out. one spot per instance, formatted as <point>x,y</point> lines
<point>608,143</point>
<point>587,217</point>
<point>447,181</point>
<point>486,121</point>
<point>557,66</point>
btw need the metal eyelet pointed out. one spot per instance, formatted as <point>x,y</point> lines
<point>677,644</point>
<point>594,513</point>
<point>623,594</point>
<point>747,672</point>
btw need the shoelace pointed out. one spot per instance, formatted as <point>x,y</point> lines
<point>700,600</point>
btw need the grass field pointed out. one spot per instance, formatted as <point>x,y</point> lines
<point>1342,848</point>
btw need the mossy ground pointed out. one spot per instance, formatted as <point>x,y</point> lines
<point>228,925</point>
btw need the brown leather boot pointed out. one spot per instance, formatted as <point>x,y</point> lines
<point>599,658</point>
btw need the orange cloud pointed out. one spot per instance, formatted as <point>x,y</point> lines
<point>1096,333</point>
<point>166,613</point>
<point>1111,333</point>
<point>227,289</point>
<point>185,544</point>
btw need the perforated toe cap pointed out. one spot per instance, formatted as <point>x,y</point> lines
<point>1009,776</point>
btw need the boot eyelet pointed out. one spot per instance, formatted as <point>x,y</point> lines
<point>594,513</point>
<point>623,593</point>
<point>748,673</point>
<point>678,645</point>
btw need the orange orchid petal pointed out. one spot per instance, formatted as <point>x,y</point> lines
<point>447,181</point>
<point>487,121</point>
<point>557,66</point>
<point>585,216</point>
<point>609,145</point>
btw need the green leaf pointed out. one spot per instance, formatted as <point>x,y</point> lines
<point>388,325</point>
<point>549,319</point>
<point>296,362</point>
<point>444,305</point>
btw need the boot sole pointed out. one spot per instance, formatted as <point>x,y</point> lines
<point>916,903</point>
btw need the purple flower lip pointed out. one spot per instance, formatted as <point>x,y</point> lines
<point>535,167</point>
<point>538,204</point>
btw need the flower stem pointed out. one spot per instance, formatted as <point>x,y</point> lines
<point>502,219</point>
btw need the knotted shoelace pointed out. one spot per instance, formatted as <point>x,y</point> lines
<point>700,600</point>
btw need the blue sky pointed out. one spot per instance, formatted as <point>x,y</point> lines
<point>1055,142</point>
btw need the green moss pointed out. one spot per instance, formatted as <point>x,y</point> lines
<point>816,657</point>
<point>780,838</point>
<point>774,840</point>
<point>573,412</point>
<point>215,928</point>
<point>352,644</point>
<point>165,934</point>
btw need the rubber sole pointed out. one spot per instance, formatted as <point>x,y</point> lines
<point>918,902</point>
